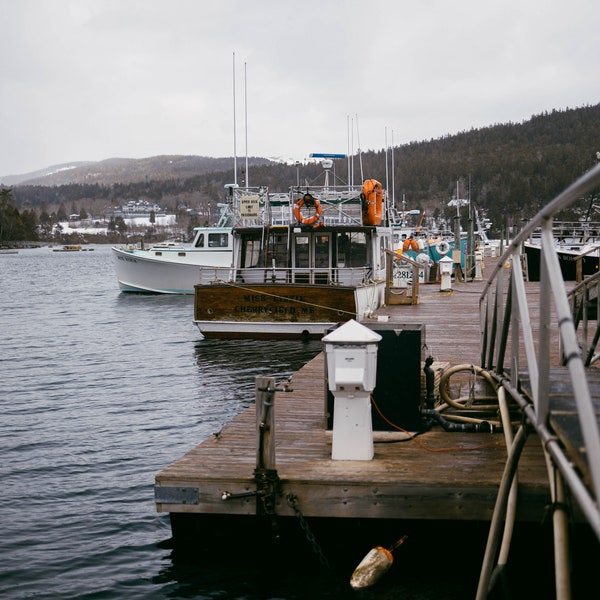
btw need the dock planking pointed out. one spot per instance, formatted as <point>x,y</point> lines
<point>435,475</point>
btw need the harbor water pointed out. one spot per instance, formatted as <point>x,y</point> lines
<point>101,390</point>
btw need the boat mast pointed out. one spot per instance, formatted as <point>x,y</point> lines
<point>234,129</point>
<point>247,182</point>
<point>349,149</point>
<point>362,178</point>
<point>393,175</point>
<point>351,153</point>
<point>457,221</point>
<point>387,177</point>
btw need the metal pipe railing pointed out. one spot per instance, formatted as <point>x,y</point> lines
<point>506,327</point>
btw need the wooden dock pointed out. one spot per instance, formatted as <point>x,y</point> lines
<point>438,487</point>
<point>434,475</point>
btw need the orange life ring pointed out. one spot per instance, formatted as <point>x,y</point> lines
<point>307,220</point>
<point>372,197</point>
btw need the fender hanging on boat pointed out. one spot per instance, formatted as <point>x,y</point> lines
<point>410,244</point>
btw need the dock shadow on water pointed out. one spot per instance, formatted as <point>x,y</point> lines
<point>227,369</point>
<point>439,560</point>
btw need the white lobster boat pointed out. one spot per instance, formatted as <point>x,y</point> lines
<point>172,268</point>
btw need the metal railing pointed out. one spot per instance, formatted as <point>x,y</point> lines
<point>346,276</point>
<point>507,327</point>
<point>516,349</point>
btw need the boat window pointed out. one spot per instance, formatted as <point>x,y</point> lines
<point>357,254</point>
<point>200,242</point>
<point>250,253</point>
<point>277,250</point>
<point>302,252</point>
<point>217,240</point>
<point>343,248</point>
<point>322,251</point>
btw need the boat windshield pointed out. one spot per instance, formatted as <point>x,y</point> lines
<point>218,240</point>
<point>310,249</point>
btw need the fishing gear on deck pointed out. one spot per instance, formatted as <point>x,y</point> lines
<point>478,427</point>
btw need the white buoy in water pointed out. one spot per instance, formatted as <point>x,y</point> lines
<point>374,565</point>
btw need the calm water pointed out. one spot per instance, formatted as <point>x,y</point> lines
<point>99,391</point>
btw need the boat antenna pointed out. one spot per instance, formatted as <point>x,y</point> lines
<point>246,123</point>
<point>359,153</point>
<point>234,129</point>
<point>351,153</point>
<point>349,149</point>
<point>387,178</point>
<point>393,176</point>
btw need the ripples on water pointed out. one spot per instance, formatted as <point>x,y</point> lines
<point>100,391</point>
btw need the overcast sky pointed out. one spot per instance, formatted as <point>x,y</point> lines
<point>97,79</point>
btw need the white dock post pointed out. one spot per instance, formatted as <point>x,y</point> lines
<point>446,264</point>
<point>351,352</point>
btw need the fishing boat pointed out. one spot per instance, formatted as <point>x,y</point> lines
<point>577,246</point>
<point>173,268</point>
<point>72,248</point>
<point>413,237</point>
<point>303,262</point>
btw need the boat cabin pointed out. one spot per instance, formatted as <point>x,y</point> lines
<point>342,255</point>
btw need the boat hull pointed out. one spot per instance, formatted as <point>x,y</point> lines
<point>164,271</point>
<point>284,311</point>
<point>567,261</point>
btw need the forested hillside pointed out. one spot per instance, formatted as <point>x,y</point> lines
<point>509,170</point>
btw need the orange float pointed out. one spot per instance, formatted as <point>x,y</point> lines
<point>372,197</point>
<point>410,244</point>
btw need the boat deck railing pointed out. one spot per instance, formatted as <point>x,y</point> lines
<point>516,350</point>
<point>583,300</point>
<point>345,276</point>
<point>570,232</point>
<point>257,207</point>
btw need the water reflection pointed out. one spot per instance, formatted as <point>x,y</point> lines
<point>227,368</point>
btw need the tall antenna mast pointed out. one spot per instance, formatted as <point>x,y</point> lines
<point>246,123</point>
<point>359,151</point>
<point>352,150</point>
<point>387,177</point>
<point>234,129</point>
<point>393,176</point>
<point>349,155</point>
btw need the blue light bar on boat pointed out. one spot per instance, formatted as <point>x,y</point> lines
<point>326,155</point>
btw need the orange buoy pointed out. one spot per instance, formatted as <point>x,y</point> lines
<point>374,565</point>
<point>410,244</point>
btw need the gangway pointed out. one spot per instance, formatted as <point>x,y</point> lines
<point>560,402</point>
